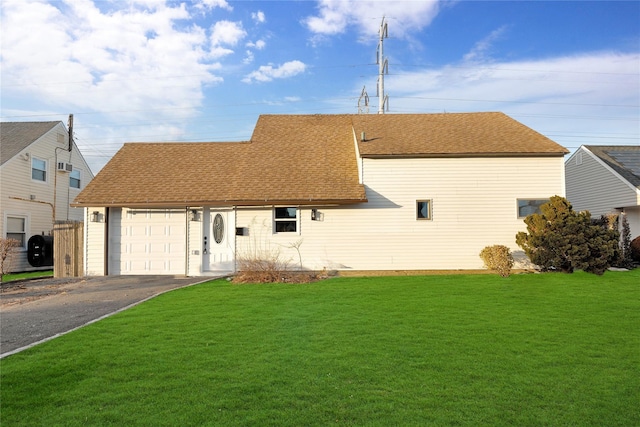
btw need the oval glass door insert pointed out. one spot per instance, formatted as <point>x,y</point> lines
<point>218,228</point>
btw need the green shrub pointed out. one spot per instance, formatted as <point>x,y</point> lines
<point>561,239</point>
<point>626,254</point>
<point>635,249</point>
<point>498,258</point>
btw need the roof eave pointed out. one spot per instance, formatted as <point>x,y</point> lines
<point>457,155</point>
<point>221,203</point>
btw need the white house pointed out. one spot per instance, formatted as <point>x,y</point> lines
<point>41,172</point>
<point>335,192</point>
<point>605,179</point>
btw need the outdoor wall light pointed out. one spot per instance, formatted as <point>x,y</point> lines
<point>95,216</point>
<point>316,216</point>
<point>193,215</point>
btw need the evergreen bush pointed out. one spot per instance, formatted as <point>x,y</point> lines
<point>560,239</point>
<point>626,254</point>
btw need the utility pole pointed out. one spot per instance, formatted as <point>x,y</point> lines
<point>70,132</point>
<point>383,68</point>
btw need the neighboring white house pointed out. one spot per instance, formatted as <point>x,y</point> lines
<point>335,192</point>
<point>605,179</point>
<point>40,174</point>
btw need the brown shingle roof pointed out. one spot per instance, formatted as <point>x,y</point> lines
<point>450,134</point>
<point>298,159</point>
<point>289,160</point>
<point>16,136</point>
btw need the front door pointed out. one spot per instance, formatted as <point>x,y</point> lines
<point>218,252</point>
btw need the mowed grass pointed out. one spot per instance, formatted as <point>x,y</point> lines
<point>26,275</point>
<point>472,350</point>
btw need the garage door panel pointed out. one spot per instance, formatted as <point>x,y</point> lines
<point>149,242</point>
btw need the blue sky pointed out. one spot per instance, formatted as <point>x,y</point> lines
<point>155,70</point>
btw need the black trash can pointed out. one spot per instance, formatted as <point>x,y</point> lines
<point>40,251</point>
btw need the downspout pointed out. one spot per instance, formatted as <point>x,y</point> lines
<point>235,243</point>
<point>186,238</point>
<point>106,241</point>
<point>86,242</point>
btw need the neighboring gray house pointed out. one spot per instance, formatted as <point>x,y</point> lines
<point>605,179</point>
<point>41,172</point>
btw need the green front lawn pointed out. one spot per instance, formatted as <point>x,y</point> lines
<point>27,275</point>
<point>474,350</point>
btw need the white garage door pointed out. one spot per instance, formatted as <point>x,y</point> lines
<point>147,241</point>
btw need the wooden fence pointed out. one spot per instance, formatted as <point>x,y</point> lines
<point>68,242</point>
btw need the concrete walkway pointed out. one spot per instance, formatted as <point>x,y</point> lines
<point>29,316</point>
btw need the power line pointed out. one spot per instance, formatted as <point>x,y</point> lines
<point>519,102</point>
<point>462,67</point>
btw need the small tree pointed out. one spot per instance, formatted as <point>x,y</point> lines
<point>561,239</point>
<point>498,258</point>
<point>7,247</point>
<point>626,256</point>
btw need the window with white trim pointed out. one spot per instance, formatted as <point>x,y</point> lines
<point>17,229</point>
<point>423,210</point>
<point>527,207</point>
<point>74,178</point>
<point>285,220</point>
<point>38,169</point>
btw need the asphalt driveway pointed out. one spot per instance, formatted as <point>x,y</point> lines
<point>35,311</point>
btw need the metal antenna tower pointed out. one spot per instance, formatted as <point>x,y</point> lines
<point>363,102</point>
<point>383,68</point>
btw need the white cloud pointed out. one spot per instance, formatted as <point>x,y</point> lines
<point>259,45</point>
<point>258,17</point>
<point>211,4</point>
<point>249,57</point>
<point>125,59</point>
<point>482,48</point>
<point>594,95</point>
<point>335,16</point>
<point>267,73</point>
<point>227,33</point>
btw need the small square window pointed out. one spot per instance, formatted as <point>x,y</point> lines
<point>38,170</point>
<point>74,179</point>
<point>286,220</point>
<point>423,209</point>
<point>527,207</point>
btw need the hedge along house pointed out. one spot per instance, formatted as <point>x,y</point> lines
<point>336,192</point>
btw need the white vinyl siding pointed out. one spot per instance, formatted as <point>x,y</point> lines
<point>474,202</point>
<point>95,242</point>
<point>593,187</point>
<point>194,242</point>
